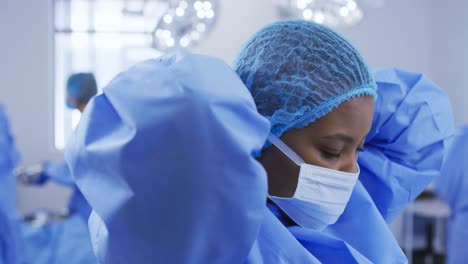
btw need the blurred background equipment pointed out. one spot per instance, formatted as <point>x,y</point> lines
<point>333,13</point>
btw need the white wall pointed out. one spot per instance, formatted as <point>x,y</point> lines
<point>403,33</point>
<point>450,53</point>
<point>238,21</point>
<point>25,89</point>
<point>399,34</point>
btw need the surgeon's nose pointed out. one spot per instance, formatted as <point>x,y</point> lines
<point>349,165</point>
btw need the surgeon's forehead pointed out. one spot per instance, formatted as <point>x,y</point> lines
<point>350,120</point>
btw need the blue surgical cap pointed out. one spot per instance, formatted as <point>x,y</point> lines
<point>81,87</point>
<point>299,71</point>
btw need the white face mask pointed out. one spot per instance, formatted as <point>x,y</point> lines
<point>321,194</point>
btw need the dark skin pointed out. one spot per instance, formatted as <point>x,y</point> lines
<point>79,105</point>
<point>332,142</point>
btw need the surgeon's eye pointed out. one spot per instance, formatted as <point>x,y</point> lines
<point>330,155</point>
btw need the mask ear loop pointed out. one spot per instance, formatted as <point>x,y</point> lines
<point>285,149</point>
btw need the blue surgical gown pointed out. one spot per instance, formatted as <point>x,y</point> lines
<point>65,241</point>
<point>165,156</point>
<point>10,243</point>
<point>452,186</point>
<point>404,149</point>
<point>58,171</point>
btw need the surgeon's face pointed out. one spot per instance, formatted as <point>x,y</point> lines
<point>332,142</point>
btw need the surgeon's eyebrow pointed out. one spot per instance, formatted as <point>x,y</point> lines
<point>343,137</point>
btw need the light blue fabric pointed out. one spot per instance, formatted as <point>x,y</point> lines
<point>66,241</point>
<point>164,156</point>
<point>276,244</point>
<point>58,171</point>
<point>298,71</point>
<point>81,87</point>
<point>10,243</point>
<point>452,186</point>
<point>179,183</point>
<point>404,150</point>
<point>362,228</point>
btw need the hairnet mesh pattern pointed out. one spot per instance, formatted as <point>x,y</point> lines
<point>82,87</point>
<point>298,71</point>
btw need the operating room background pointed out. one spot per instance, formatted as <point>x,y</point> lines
<point>429,36</point>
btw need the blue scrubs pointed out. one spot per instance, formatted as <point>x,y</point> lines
<point>165,156</point>
<point>65,241</point>
<point>59,172</point>
<point>452,186</point>
<point>10,243</point>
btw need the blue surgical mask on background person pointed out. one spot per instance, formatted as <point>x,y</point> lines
<point>321,194</point>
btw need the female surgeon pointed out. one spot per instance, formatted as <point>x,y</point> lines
<point>167,155</point>
<point>319,96</point>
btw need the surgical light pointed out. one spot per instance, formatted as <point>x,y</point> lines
<point>184,24</point>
